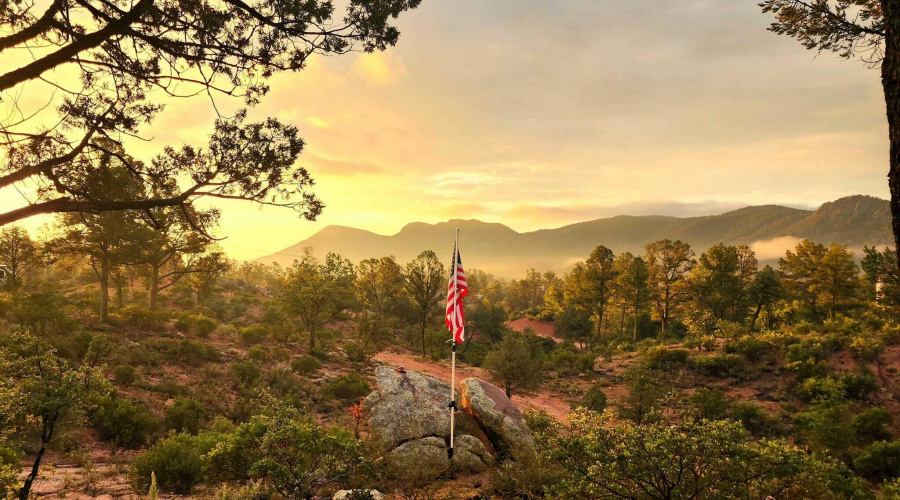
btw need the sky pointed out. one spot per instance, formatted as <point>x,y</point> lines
<point>540,113</point>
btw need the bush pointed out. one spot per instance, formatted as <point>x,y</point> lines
<point>594,399</point>
<point>865,348</point>
<point>355,352</point>
<point>125,375</point>
<point>305,365</point>
<point>663,358</point>
<point>751,416</point>
<point>178,462</point>
<point>725,365</point>
<point>750,347</point>
<point>879,462</point>
<point>568,362</point>
<point>824,388</point>
<point>872,425</point>
<point>251,335</point>
<point>124,422</point>
<point>710,403</point>
<point>144,317</point>
<point>320,354</point>
<point>258,354</point>
<point>860,384</point>
<point>349,387</point>
<point>245,372</point>
<point>204,326</point>
<point>185,415</point>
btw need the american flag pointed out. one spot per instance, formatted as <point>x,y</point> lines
<point>458,289</point>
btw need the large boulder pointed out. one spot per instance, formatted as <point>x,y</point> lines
<point>410,421</point>
<point>348,494</point>
<point>501,419</point>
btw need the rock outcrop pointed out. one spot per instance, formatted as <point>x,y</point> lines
<point>348,494</point>
<point>501,419</point>
<point>409,421</point>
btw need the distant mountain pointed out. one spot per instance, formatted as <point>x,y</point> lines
<point>495,248</point>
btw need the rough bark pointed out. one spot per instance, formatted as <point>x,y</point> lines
<point>154,286</point>
<point>104,289</point>
<point>890,80</point>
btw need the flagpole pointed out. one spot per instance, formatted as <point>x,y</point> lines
<point>453,358</point>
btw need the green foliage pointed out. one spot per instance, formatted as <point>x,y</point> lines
<point>693,459</point>
<point>349,387</point>
<point>514,364</point>
<point>125,375</point>
<point>866,348</point>
<point>594,399</point>
<point>880,461</point>
<point>204,326</point>
<point>752,348</point>
<point>872,425</point>
<point>296,456</point>
<point>125,422</point>
<point>860,384</point>
<point>721,365</point>
<point>305,365</point>
<point>821,388</point>
<point>178,462</point>
<point>185,415</point>
<point>252,335</point>
<point>569,361</point>
<point>645,394</point>
<point>245,372</point>
<point>753,417</point>
<point>143,317</point>
<point>356,352</point>
<point>663,358</point>
<point>710,403</point>
<point>826,426</point>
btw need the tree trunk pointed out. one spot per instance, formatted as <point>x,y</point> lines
<point>312,337</point>
<point>755,317</point>
<point>104,289</point>
<point>154,286</point>
<point>622,321</point>
<point>890,80</point>
<point>424,322</point>
<point>120,294</point>
<point>25,491</point>
<point>635,322</point>
<point>600,324</point>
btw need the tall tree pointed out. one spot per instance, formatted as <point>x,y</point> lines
<point>597,283</point>
<point>866,28</point>
<point>426,283</point>
<point>123,54</point>
<point>669,262</point>
<point>206,272</point>
<point>317,291</point>
<point>719,281</point>
<point>819,277</point>
<point>514,364</point>
<point>764,291</point>
<point>19,253</point>
<point>527,294</point>
<point>883,274</point>
<point>379,283</point>
<point>634,288</point>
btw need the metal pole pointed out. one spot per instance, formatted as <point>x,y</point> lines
<point>453,356</point>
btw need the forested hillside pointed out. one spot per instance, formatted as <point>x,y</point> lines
<point>854,221</point>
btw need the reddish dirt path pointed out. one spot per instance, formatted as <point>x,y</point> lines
<point>541,328</point>
<point>553,404</point>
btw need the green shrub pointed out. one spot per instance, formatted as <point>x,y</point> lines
<point>177,461</point>
<point>594,399</point>
<point>125,375</point>
<point>185,415</point>
<point>663,358</point>
<point>125,422</point>
<point>251,335</point>
<point>568,362</point>
<point>724,365</point>
<point>750,347</point>
<point>872,425</point>
<point>710,403</point>
<point>320,354</point>
<point>245,372</point>
<point>349,387</point>
<point>866,348</point>
<point>144,317</point>
<point>204,326</point>
<point>305,365</point>
<point>355,352</point>
<point>879,462</point>
<point>824,388</point>
<point>860,384</point>
<point>258,354</point>
<point>752,417</point>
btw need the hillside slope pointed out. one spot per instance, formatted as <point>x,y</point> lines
<point>854,221</point>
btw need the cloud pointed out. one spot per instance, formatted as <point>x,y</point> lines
<point>318,122</point>
<point>774,248</point>
<point>322,165</point>
<point>379,69</point>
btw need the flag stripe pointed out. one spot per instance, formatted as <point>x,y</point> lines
<point>457,290</point>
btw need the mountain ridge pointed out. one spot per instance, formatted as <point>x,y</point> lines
<point>496,248</point>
